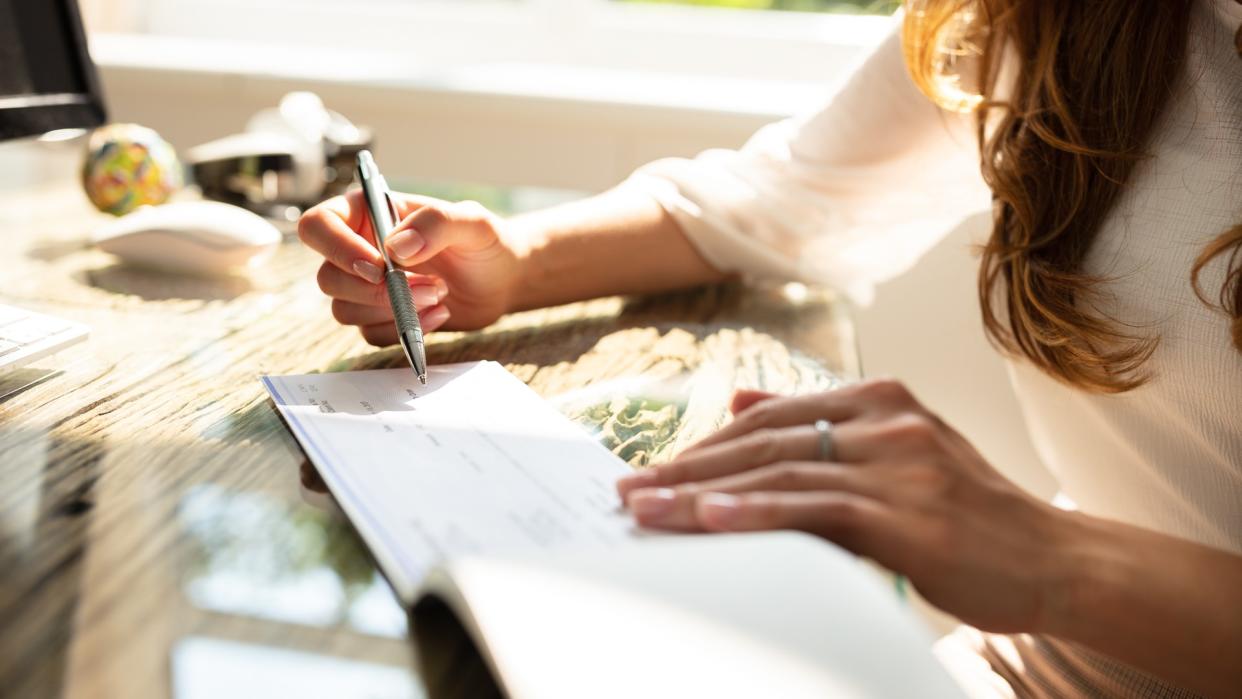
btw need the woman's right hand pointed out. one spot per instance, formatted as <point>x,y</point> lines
<point>461,269</point>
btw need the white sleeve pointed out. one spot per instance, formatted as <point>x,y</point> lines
<point>848,196</point>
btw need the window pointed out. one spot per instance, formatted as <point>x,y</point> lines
<point>870,7</point>
<point>714,38</point>
<point>566,94</point>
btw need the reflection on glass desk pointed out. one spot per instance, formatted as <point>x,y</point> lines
<point>307,567</point>
<point>210,668</point>
<point>155,539</point>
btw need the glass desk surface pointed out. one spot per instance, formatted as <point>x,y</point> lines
<point>157,537</point>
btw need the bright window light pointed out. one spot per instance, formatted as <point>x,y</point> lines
<point>869,7</point>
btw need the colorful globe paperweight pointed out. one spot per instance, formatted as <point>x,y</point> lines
<point>128,166</point>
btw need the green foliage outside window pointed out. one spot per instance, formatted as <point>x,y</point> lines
<point>876,7</point>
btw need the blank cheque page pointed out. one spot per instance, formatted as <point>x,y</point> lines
<point>473,462</point>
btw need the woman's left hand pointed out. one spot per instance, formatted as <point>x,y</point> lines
<point>901,487</point>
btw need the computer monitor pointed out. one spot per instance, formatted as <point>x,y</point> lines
<point>47,79</point>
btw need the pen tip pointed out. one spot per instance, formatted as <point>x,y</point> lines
<point>423,378</point>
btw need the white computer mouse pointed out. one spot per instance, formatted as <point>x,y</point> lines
<point>202,237</point>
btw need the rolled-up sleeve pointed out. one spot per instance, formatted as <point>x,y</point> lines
<point>848,195</point>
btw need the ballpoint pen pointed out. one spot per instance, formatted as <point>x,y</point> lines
<point>383,219</point>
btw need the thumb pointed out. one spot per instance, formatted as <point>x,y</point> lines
<point>746,397</point>
<point>431,228</point>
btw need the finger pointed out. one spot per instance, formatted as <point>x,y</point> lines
<point>676,508</point>
<point>424,290</point>
<point>745,398</point>
<point>874,397</point>
<point>349,313</point>
<point>311,479</point>
<point>409,203</point>
<point>338,229</point>
<point>783,412</point>
<point>899,437</point>
<point>433,318</point>
<point>385,333</point>
<point>430,229</point>
<point>853,521</point>
<point>854,443</point>
<point>761,447</point>
<point>379,334</point>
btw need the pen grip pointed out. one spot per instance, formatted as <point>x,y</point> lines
<point>403,310</point>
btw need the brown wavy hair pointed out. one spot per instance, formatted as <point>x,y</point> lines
<point>1061,128</point>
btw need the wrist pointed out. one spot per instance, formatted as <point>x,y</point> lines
<point>1080,572</point>
<point>519,234</point>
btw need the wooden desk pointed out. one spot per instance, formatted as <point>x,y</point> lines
<point>153,534</point>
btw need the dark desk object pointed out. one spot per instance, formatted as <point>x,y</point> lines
<point>153,532</point>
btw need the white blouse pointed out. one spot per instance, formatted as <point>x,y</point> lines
<point>852,194</point>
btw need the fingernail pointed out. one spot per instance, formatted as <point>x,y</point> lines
<point>405,244</point>
<point>718,510</point>
<point>424,296</point>
<point>634,481</point>
<point>441,288</point>
<point>437,315</point>
<point>368,271</point>
<point>651,505</point>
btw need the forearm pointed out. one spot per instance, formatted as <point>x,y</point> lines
<point>1162,604</point>
<point>619,242</point>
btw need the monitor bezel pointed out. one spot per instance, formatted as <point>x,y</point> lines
<point>88,112</point>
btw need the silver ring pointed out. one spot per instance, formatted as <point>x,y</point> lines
<point>824,429</point>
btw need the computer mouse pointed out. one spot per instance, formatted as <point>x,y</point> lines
<point>201,237</point>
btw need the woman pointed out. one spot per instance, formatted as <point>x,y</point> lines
<point>1107,136</point>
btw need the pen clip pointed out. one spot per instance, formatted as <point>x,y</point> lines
<point>392,208</point>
